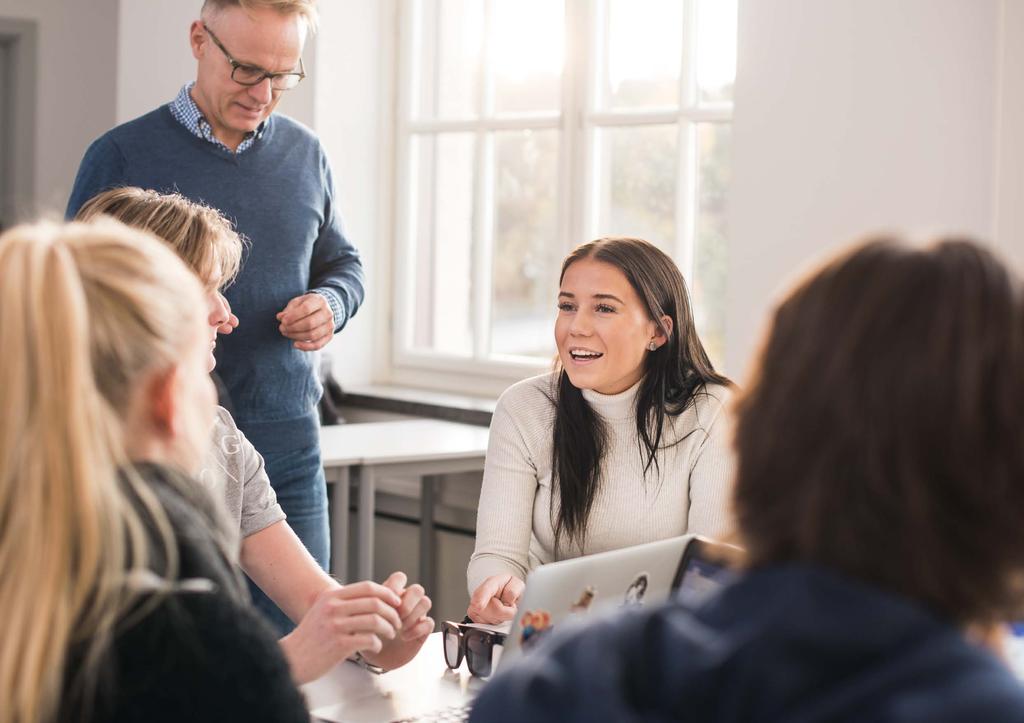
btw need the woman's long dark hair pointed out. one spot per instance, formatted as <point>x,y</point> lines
<point>672,376</point>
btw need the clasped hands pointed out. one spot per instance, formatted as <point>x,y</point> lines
<point>387,624</point>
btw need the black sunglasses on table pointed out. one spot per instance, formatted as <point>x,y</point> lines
<point>474,644</point>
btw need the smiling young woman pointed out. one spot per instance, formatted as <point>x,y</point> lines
<point>624,443</point>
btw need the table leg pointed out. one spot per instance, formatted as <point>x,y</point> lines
<point>367,494</point>
<point>428,556</point>
<point>339,522</point>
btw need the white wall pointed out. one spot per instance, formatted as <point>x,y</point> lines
<point>351,118</point>
<point>1009,215</point>
<point>852,117</point>
<point>77,86</point>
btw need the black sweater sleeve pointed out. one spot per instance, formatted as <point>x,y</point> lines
<point>199,657</point>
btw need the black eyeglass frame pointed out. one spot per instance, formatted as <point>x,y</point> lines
<point>467,635</point>
<point>264,74</point>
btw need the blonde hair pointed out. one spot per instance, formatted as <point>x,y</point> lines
<point>305,8</point>
<point>86,312</point>
<point>199,234</point>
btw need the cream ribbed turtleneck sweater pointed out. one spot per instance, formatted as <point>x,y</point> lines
<point>690,493</point>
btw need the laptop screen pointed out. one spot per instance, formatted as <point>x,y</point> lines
<point>701,574</point>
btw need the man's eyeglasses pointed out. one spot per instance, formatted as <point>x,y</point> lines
<point>254,75</point>
<point>475,644</point>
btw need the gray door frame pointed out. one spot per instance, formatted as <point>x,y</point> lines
<point>19,42</point>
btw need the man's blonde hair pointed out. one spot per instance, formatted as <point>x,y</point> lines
<point>200,235</point>
<point>305,8</point>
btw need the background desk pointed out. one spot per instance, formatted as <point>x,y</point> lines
<point>355,454</point>
<point>347,692</point>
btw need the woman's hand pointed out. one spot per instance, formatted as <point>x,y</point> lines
<point>342,621</point>
<point>496,599</point>
<point>415,628</point>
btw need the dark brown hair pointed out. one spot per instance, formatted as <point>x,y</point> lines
<point>673,375</point>
<point>883,434</point>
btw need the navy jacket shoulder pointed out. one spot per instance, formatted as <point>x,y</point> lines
<point>790,644</point>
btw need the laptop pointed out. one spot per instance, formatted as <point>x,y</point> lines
<point>705,568</point>
<point>571,591</point>
<point>558,593</point>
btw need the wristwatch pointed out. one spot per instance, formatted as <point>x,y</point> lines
<point>362,662</point>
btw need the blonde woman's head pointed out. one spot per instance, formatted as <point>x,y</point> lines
<point>104,363</point>
<point>200,235</point>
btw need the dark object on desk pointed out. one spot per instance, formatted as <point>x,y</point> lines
<point>473,643</point>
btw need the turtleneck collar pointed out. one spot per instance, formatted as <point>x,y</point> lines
<point>614,406</point>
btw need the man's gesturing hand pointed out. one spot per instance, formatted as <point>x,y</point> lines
<point>308,321</point>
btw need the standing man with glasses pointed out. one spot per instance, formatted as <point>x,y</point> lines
<point>219,142</point>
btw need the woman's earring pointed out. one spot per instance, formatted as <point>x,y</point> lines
<point>652,346</point>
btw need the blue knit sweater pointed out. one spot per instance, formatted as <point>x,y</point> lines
<point>280,196</point>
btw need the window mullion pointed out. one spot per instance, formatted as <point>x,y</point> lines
<point>593,35</point>
<point>572,149</point>
<point>686,158</point>
<point>403,317</point>
<point>483,203</point>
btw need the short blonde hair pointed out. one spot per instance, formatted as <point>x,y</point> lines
<point>200,235</point>
<point>305,8</point>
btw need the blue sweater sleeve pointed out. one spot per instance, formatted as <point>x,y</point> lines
<point>336,272</point>
<point>102,168</point>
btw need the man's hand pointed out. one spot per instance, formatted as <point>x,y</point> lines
<point>495,600</point>
<point>308,321</point>
<point>342,621</point>
<point>416,626</point>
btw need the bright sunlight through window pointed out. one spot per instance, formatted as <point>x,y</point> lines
<point>527,127</point>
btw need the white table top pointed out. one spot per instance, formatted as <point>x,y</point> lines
<point>407,440</point>
<point>350,693</point>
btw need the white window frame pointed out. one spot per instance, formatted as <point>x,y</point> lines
<point>579,123</point>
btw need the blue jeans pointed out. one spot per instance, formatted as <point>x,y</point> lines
<point>298,479</point>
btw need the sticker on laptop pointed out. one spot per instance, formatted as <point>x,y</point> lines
<point>583,602</point>
<point>634,596</point>
<point>536,624</point>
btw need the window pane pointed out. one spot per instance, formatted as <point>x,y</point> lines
<point>643,54</point>
<point>716,50</point>
<point>636,186</point>
<point>447,60</point>
<point>526,54</point>
<point>527,254</point>
<point>443,249</point>
<point>714,149</point>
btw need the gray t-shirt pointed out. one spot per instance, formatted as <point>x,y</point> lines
<point>235,473</point>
